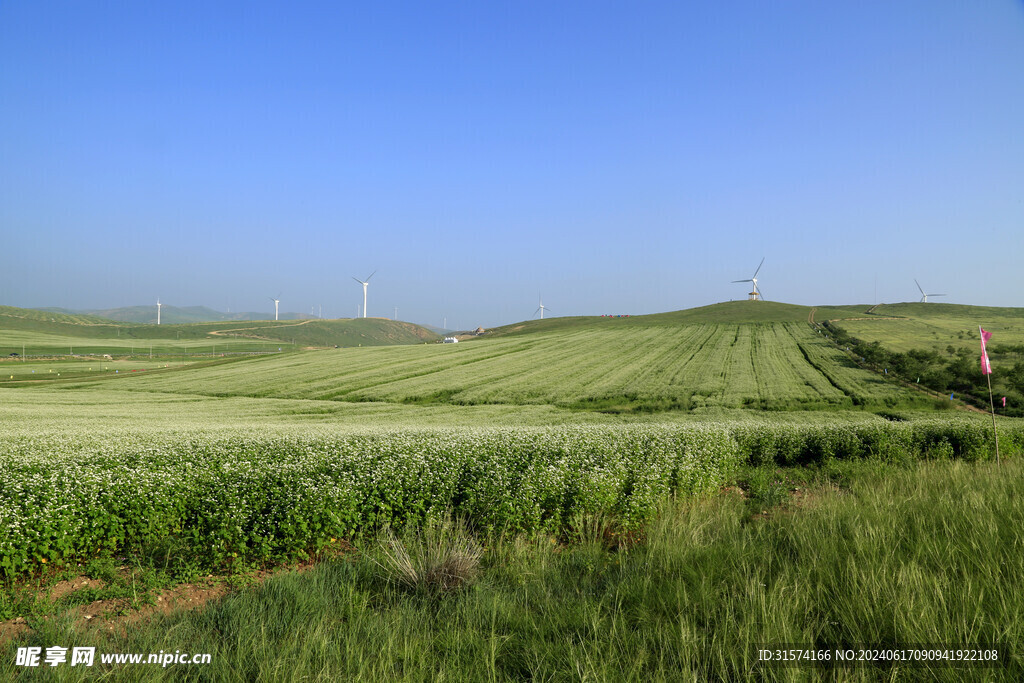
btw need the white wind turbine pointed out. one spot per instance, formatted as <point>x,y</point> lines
<point>158,305</point>
<point>276,302</point>
<point>541,308</point>
<point>364,284</point>
<point>756,294</point>
<point>924,297</point>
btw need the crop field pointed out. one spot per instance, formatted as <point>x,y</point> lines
<point>21,370</point>
<point>36,344</point>
<point>187,469</point>
<point>523,431</point>
<point>773,366</point>
<point>275,491</point>
<point>935,326</point>
<point>264,495</point>
<point>271,457</point>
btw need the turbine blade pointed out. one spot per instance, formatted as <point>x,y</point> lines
<point>357,280</point>
<point>919,287</point>
<point>742,281</point>
<point>759,266</point>
<point>371,275</point>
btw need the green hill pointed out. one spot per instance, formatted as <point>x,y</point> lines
<point>51,332</point>
<point>170,315</point>
<point>730,312</point>
<point>905,326</point>
<point>314,332</point>
<point>28,318</point>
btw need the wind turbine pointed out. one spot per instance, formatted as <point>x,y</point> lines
<point>924,297</point>
<point>158,305</point>
<point>541,308</point>
<point>756,294</point>
<point>364,284</point>
<point>276,302</point>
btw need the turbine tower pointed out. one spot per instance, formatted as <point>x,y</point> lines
<point>158,305</point>
<point>756,293</point>
<point>924,297</point>
<point>276,302</point>
<point>364,284</point>
<point>541,308</point>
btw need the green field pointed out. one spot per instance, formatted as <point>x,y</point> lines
<point>901,327</point>
<point>75,369</point>
<point>892,556</point>
<point>29,332</point>
<point>184,468</point>
<point>615,400</point>
<point>646,368</point>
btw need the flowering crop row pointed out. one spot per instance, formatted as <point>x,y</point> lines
<point>273,494</point>
<point>960,437</point>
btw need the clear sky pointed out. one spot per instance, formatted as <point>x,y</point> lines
<point>613,157</point>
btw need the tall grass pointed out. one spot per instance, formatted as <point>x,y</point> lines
<point>441,555</point>
<point>929,554</point>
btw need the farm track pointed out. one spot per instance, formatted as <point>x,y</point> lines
<point>874,317</point>
<point>225,333</point>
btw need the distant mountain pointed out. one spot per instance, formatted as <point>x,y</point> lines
<point>171,315</point>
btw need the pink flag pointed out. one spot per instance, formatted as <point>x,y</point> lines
<point>1004,401</point>
<point>986,367</point>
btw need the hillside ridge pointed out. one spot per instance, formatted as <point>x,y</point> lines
<point>309,332</point>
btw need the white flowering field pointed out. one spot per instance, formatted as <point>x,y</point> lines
<point>283,489</point>
<point>264,494</point>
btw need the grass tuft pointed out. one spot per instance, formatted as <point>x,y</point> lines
<point>438,557</point>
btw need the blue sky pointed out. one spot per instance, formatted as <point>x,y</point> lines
<point>612,157</point>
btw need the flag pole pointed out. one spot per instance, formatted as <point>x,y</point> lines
<point>988,377</point>
<point>992,406</point>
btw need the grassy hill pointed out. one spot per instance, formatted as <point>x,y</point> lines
<point>899,327</point>
<point>730,312</point>
<point>30,318</point>
<point>905,326</point>
<point>174,314</point>
<point>52,332</point>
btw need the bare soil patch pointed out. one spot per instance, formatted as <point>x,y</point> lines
<point>122,613</point>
